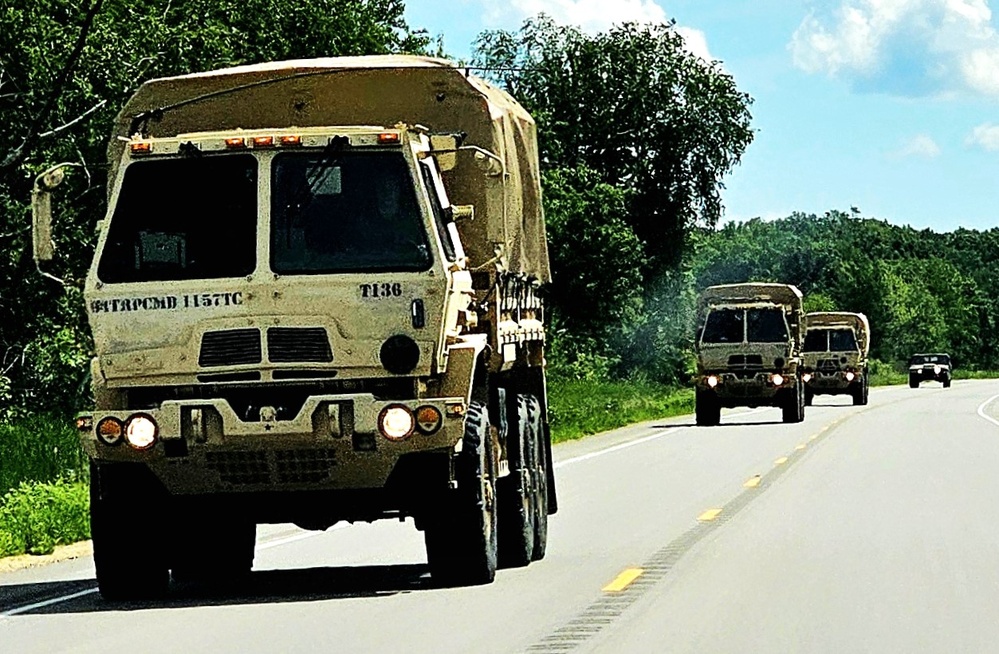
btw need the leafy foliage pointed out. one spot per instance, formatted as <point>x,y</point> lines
<point>633,105</point>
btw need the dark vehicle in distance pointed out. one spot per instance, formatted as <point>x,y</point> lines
<point>930,367</point>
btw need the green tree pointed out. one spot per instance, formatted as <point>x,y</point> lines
<point>635,106</point>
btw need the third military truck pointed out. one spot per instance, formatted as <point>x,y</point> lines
<point>837,345</point>
<point>749,350</point>
<point>315,299</point>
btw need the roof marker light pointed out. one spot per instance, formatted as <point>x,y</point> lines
<point>289,141</point>
<point>389,138</point>
<point>236,143</point>
<point>263,141</point>
<point>141,147</point>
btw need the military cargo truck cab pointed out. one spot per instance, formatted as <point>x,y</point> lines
<point>748,348</point>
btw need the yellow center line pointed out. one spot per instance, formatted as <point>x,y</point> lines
<point>800,447</point>
<point>753,482</point>
<point>814,437</point>
<point>781,461</point>
<point>709,515</point>
<point>623,580</point>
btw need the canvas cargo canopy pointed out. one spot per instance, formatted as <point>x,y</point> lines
<point>782,294</point>
<point>832,319</point>
<point>380,91</point>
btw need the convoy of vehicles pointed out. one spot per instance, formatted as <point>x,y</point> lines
<point>837,345</point>
<point>930,367</point>
<point>749,350</point>
<point>314,299</point>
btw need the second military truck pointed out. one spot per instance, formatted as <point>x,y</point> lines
<point>749,350</point>
<point>837,345</point>
<point>314,299</point>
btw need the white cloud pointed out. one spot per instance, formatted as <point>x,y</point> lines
<point>921,146</point>
<point>905,47</point>
<point>985,136</point>
<point>696,42</point>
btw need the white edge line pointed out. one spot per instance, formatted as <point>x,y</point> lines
<point>981,410</point>
<point>48,602</point>
<point>614,448</point>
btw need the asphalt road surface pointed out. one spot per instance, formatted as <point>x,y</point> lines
<point>863,529</point>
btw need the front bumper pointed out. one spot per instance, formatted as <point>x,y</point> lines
<point>747,387</point>
<point>831,382</point>
<point>333,443</point>
<point>928,374</point>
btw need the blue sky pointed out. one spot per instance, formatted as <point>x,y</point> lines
<point>891,106</point>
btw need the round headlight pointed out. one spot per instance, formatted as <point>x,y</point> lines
<point>399,354</point>
<point>396,422</point>
<point>141,431</point>
<point>110,430</point>
<point>850,376</point>
<point>428,420</point>
<point>777,380</point>
<point>712,381</point>
<point>807,377</point>
<point>936,370</point>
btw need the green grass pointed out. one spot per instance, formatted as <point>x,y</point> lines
<point>579,408</point>
<point>42,448</point>
<point>37,516</point>
<point>44,497</point>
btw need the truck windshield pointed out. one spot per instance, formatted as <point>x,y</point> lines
<point>765,326</point>
<point>842,340</point>
<point>816,341</point>
<point>176,219</point>
<point>352,212</point>
<point>724,326</point>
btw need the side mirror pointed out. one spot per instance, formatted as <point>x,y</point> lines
<point>41,211</point>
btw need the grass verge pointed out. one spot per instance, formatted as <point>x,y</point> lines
<point>579,408</point>
<point>44,496</point>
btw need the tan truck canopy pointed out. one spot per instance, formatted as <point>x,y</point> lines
<point>380,91</point>
<point>831,319</point>
<point>782,294</point>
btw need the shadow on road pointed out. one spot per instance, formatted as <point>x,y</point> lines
<point>264,587</point>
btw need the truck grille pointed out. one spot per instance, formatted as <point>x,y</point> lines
<point>298,345</point>
<point>232,347</point>
<point>250,467</point>
<point>747,360</point>
<point>827,364</point>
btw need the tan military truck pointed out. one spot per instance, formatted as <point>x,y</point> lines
<point>749,350</point>
<point>315,299</point>
<point>837,344</point>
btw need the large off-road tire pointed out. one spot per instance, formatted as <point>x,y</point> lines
<point>461,532</point>
<point>946,382</point>
<point>213,547</point>
<point>707,408</point>
<point>809,396</point>
<point>793,407</point>
<point>539,465</point>
<point>858,391</point>
<point>517,509</point>
<point>913,382</point>
<point>127,537</point>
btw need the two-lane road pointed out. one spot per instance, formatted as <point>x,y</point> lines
<point>861,529</point>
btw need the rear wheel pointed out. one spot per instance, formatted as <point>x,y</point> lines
<point>946,382</point>
<point>461,535</point>
<point>539,466</point>
<point>128,555</point>
<point>517,499</point>
<point>913,382</point>
<point>707,408</point>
